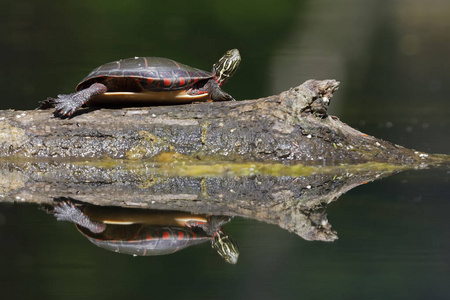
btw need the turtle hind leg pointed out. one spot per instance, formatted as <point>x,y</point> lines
<point>65,105</point>
<point>67,211</point>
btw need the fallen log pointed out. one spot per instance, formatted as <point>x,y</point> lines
<point>291,126</point>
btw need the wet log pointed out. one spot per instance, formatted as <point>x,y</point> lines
<point>291,126</point>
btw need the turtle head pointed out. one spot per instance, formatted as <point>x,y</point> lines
<point>226,66</point>
<point>226,247</point>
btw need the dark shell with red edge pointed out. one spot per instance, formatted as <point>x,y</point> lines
<point>145,74</point>
<point>147,240</point>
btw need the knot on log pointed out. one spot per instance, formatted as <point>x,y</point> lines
<point>313,96</point>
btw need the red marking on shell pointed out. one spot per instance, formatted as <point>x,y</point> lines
<point>182,81</point>
<point>166,81</point>
<point>149,80</point>
<point>166,235</point>
<point>180,235</point>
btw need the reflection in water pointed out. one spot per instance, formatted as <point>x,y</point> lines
<point>142,232</point>
<point>372,244</point>
<point>294,197</point>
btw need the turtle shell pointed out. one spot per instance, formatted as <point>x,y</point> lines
<point>141,74</point>
<point>145,240</point>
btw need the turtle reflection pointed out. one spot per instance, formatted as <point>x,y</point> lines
<point>147,232</point>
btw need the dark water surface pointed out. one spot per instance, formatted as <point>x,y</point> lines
<point>393,61</point>
<point>393,244</point>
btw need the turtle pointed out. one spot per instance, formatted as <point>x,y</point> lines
<point>142,232</point>
<point>147,80</point>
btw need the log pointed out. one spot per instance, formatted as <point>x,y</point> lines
<point>292,126</point>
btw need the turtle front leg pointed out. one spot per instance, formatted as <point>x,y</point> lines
<point>212,87</point>
<point>66,105</point>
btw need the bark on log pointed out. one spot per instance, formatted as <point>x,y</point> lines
<point>292,126</point>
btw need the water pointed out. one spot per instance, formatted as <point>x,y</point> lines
<point>392,60</point>
<point>392,243</point>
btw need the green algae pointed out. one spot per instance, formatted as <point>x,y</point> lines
<point>189,168</point>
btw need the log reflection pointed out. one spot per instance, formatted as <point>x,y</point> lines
<point>294,197</point>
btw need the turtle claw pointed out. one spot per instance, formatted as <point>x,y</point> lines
<point>47,103</point>
<point>65,105</point>
<point>66,211</point>
<point>61,104</point>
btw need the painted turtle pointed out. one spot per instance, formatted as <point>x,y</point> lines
<point>147,80</point>
<point>147,232</point>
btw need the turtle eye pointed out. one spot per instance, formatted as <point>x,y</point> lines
<point>227,66</point>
